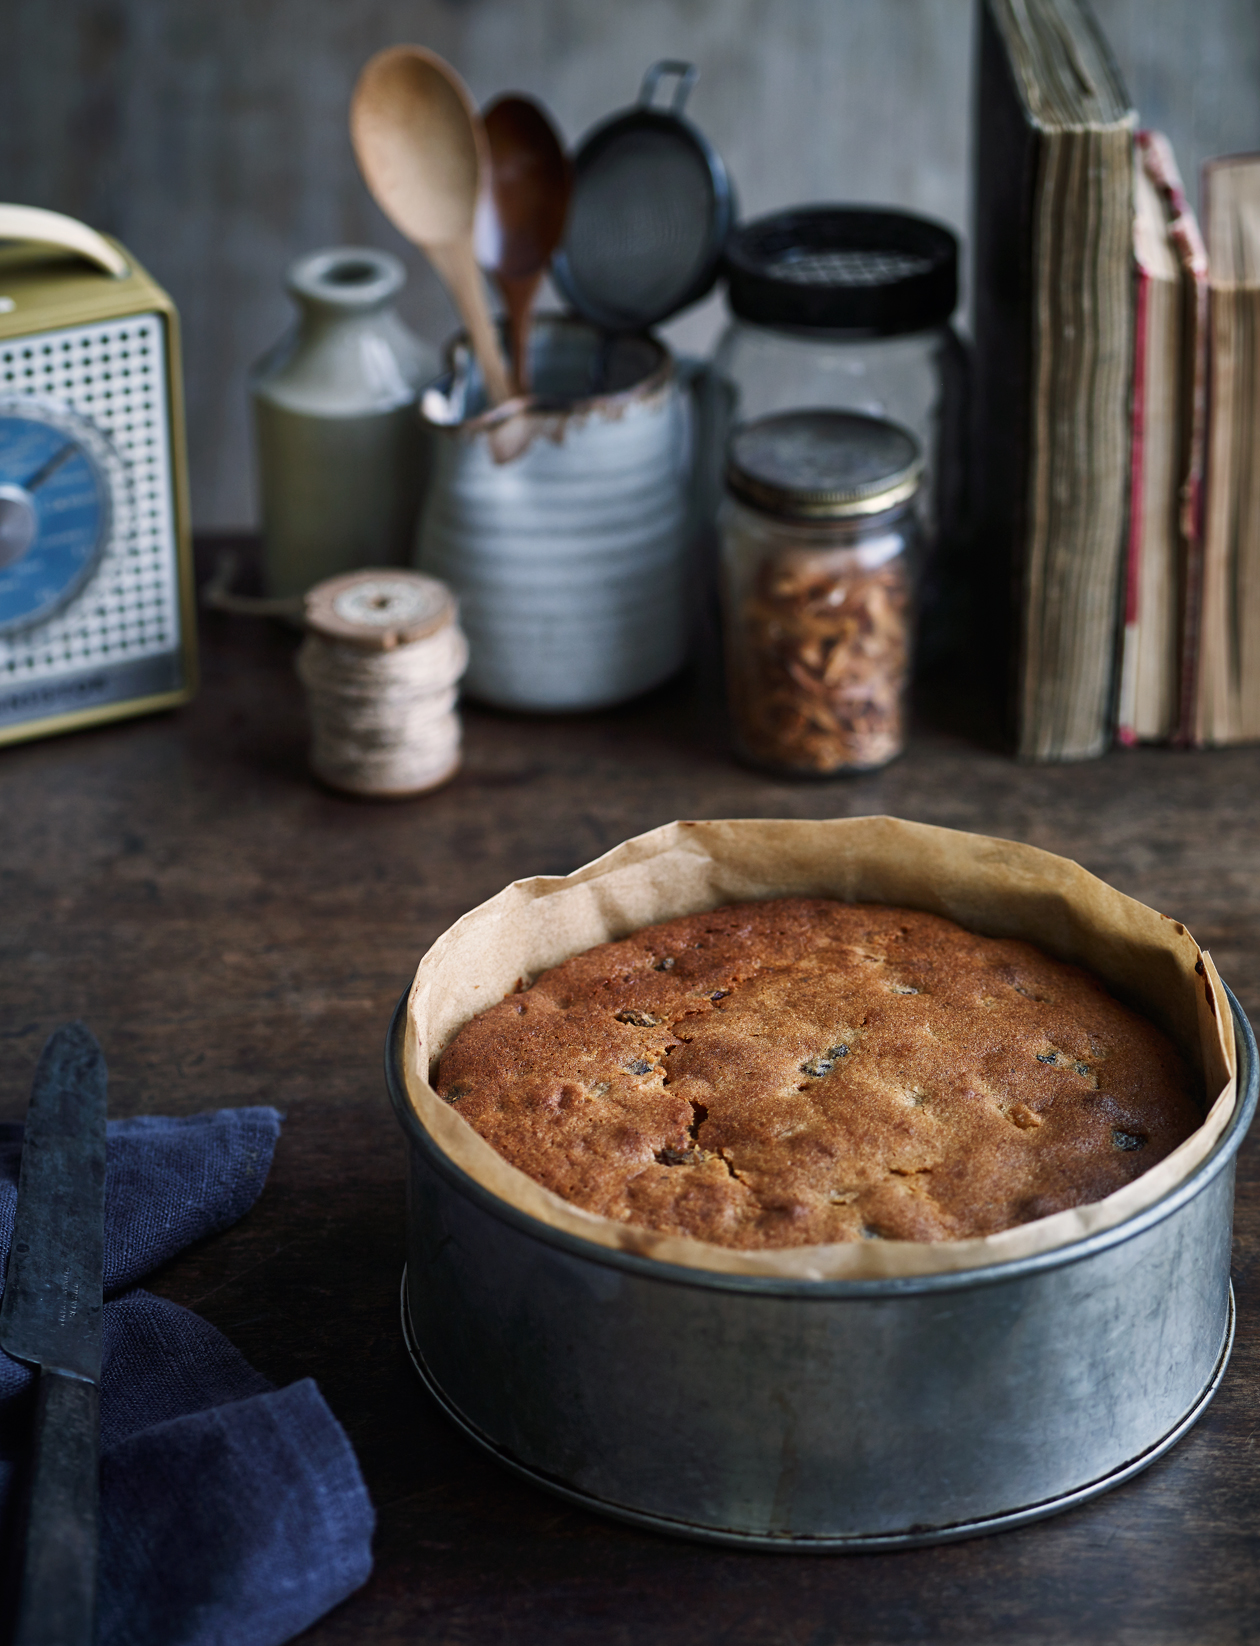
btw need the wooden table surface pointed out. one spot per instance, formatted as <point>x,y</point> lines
<point>234,934</point>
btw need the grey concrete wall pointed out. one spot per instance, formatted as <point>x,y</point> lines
<point>209,135</point>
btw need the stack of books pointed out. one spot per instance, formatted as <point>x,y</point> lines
<point>1118,399</point>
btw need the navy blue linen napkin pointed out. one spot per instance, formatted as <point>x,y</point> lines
<point>232,1513</point>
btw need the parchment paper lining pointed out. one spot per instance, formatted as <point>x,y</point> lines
<point>996,887</point>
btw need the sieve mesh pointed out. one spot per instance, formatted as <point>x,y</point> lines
<point>640,225</point>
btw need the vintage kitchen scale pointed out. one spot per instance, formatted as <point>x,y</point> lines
<point>96,594</point>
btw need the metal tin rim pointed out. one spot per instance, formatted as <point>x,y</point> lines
<point>782,505</point>
<point>805,1544</point>
<point>826,1290</point>
<point>822,502</point>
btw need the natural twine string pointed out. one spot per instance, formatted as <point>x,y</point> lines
<point>384,722</point>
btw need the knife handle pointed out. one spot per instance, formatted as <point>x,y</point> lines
<point>59,1566</point>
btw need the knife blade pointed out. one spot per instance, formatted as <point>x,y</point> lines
<point>50,1316</point>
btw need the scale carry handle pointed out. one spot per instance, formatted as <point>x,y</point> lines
<point>51,228</point>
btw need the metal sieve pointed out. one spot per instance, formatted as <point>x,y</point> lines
<point>649,215</point>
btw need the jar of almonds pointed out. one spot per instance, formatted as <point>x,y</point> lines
<point>818,532</point>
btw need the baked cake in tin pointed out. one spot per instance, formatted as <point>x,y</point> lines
<point>803,1071</point>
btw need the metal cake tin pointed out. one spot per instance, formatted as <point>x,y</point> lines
<point>818,1414</point>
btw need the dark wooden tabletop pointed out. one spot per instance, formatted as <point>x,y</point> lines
<point>235,934</point>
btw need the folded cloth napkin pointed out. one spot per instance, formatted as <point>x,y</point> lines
<point>232,1513</point>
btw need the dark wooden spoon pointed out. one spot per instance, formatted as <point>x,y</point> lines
<point>530,181</point>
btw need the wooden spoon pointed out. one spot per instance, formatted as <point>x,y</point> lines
<point>531,179</point>
<point>422,150</point>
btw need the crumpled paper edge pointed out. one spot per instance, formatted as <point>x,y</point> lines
<point>999,888</point>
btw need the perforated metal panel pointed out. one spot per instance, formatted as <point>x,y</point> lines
<point>113,374</point>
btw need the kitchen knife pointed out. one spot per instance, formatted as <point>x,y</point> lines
<point>51,1317</point>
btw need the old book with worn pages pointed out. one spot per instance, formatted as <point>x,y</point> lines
<point>1164,560</point>
<point>1054,314</point>
<point>1227,698</point>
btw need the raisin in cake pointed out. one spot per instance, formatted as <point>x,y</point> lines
<point>804,1071</point>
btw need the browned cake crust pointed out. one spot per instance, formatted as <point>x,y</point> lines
<point>802,1071</point>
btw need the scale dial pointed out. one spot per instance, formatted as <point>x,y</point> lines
<point>59,486</point>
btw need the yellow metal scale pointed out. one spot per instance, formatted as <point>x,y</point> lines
<point>96,594</point>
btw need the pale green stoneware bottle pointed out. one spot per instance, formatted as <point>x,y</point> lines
<point>342,455</point>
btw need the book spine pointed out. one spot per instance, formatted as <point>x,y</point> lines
<point>1193,503</point>
<point>1007,162</point>
<point>1187,243</point>
<point>1054,324</point>
<point>1079,447</point>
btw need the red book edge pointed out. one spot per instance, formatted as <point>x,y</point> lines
<point>1126,733</point>
<point>1187,241</point>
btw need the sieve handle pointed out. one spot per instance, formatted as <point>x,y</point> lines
<point>687,74</point>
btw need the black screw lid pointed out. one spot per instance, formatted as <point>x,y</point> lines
<point>843,268</point>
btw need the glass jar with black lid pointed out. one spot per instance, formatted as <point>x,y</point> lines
<point>849,309</point>
<point>819,535</point>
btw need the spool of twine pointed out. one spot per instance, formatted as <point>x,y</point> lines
<point>381,660</point>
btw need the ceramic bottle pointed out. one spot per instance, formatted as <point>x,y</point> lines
<point>342,455</point>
